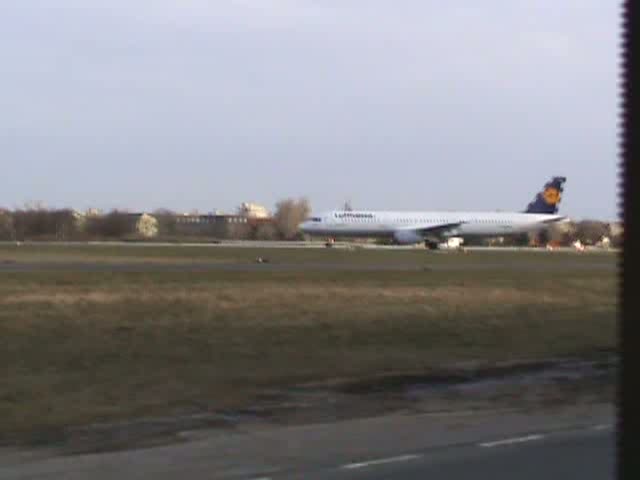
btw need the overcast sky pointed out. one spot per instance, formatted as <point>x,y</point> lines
<point>199,104</point>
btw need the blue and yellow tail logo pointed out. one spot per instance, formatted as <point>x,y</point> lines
<point>551,195</point>
<point>548,200</point>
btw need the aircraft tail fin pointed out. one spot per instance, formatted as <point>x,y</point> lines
<point>548,200</point>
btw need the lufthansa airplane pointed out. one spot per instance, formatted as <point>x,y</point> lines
<point>432,227</point>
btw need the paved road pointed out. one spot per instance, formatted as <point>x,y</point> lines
<point>14,267</point>
<point>574,443</point>
<point>587,455</point>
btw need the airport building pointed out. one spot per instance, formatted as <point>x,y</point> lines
<point>253,210</point>
<point>212,225</point>
<point>222,226</point>
<point>216,225</point>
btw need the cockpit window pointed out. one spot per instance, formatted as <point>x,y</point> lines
<point>314,219</point>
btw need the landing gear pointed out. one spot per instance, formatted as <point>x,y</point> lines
<point>329,243</point>
<point>431,245</point>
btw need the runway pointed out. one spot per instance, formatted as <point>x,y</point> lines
<point>195,266</point>
<point>584,455</point>
<point>277,244</point>
<point>576,443</point>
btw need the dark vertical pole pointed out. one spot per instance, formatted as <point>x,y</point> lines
<point>628,453</point>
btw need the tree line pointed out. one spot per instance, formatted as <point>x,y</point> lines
<point>40,223</point>
<point>60,224</point>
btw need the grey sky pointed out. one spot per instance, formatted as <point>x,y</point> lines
<point>393,104</point>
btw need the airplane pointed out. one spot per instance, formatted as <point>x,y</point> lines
<point>434,227</point>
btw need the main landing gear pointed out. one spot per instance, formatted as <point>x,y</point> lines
<point>431,245</point>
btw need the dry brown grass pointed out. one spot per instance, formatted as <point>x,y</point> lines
<point>83,347</point>
<point>230,296</point>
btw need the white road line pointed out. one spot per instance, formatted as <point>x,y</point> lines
<point>604,426</point>
<point>401,458</point>
<point>509,441</point>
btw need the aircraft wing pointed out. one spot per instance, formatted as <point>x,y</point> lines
<point>437,230</point>
<point>555,220</point>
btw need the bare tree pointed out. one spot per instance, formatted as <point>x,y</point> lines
<point>38,222</point>
<point>517,240</point>
<point>114,224</point>
<point>7,231</point>
<point>590,232</point>
<point>564,234</point>
<point>289,214</point>
<point>266,231</point>
<point>166,221</point>
<point>542,237</point>
<point>616,232</point>
<point>616,241</point>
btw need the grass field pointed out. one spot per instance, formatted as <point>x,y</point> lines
<point>81,347</point>
<point>211,254</point>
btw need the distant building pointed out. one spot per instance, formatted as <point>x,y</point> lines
<point>216,226</point>
<point>92,212</point>
<point>253,210</point>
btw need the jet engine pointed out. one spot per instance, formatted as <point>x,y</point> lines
<point>407,237</point>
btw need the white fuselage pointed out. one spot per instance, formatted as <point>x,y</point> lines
<point>388,224</point>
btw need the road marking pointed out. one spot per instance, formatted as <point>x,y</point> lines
<point>401,458</point>
<point>509,441</point>
<point>603,426</point>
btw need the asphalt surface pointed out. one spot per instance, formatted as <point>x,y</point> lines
<point>15,267</point>
<point>571,444</point>
<point>583,455</point>
<point>294,244</point>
